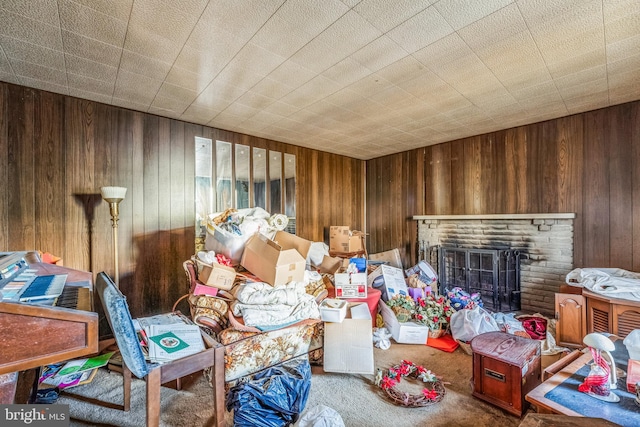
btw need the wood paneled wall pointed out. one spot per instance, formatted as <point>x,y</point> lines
<point>57,151</point>
<point>586,163</point>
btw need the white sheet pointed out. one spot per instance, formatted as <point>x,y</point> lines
<point>612,282</point>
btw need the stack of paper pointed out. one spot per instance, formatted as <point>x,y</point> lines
<point>173,341</point>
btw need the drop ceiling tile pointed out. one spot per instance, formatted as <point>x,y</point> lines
<point>164,112</point>
<point>282,109</point>
<point>152,46</point>
<point>169,103</point>
<point>623,28</point>
<point>538,12</point>
<point>91,23</point>
<point>84,94</point>
<point>38,72</point>
<point>217,94</point>
<point>546,88</point>
<point>271,88</point>
<point>460,13</point>
<point>576,63</point>
<point>628,64</point>
<point>242,18</point>
<point>93,50</point>
<point>196,114</point>
<point>491,30</point>
<point>29,30</point>
<point>130,104</point>
<point>120,9</point>
<point>281,37</point>
<point>385,14</point>
<point>206,64</point>
<point>88,68</point>
<point>620,50</point>
<point>442,51</point>
<point>421,30</point>
<point>8,77</point>
<point>88,84</point>
<point>179,93</point>
<point>149,67</point>
<point>35,54</point>
<point>47,85</point>
<point>379,53</point>
<point>586,101</point>
<point>625,87</point>
<point>43,11</point>
<point>292,74</point>
<point>5,66</point>
<point>136,87</point>
<point>254,100</point>
<point>187,79</point>
<point>158,19</point>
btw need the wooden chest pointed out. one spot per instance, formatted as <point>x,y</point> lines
<point>505,368</point>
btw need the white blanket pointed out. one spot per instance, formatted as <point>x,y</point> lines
<point>612,282</point>
<point>264,306</point>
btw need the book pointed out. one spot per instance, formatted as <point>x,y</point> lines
<point>173,341</point>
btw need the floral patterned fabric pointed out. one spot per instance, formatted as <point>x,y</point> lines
<point>249,352</point>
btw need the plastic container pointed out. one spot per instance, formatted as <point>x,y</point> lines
<point>632,342</point>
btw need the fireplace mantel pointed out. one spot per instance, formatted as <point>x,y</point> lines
<point>568,215</point>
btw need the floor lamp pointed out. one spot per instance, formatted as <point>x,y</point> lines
<point>113,196</point>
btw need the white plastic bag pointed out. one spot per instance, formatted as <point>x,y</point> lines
<point>466,324</point>
<point>321,416</point>
<point>632,342</point>
<point>507,322</point>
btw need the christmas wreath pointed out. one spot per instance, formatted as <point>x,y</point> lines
<point>433,392</point>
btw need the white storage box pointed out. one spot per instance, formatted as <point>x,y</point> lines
<point>350,285</point>
<point>333,310</point>
<point>403,333</point>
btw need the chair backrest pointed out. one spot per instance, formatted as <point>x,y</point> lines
<point>119,318</point>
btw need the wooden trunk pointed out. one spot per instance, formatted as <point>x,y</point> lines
<point>505,368</point>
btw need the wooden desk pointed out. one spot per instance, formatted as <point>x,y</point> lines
<point>544,397</point>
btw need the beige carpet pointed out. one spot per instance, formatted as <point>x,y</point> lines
<point>354,397</point>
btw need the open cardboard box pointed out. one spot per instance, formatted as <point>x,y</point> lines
<point>348,345</point>
<point>278,261</point>
<point>403,333</point>
<point>390,280</point>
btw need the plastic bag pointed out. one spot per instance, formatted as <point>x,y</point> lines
<point>466,324</point>
<point>508,323</point>
<point>632,342</point>
<point>381,338</point>
<point>274,397</point>
<point>321,416</point>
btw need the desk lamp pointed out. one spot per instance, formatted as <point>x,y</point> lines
<point>601,345</point>
<point>113,196</point>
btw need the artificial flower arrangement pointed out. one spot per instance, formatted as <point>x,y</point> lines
<point>433,392</point>
<point>403,307</point>
<point>433,311</point>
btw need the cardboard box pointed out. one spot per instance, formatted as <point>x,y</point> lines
<point>391,257</point>
<point>390,280</point>
<point>348,346</point>
<point>330,265</point>
<point>350,285</point>
<point>333,310</point>
<point>274,263</point>
<point>425,272</point>
<point>403,333</point>
<point>343,240</point>
<point>217,275</point>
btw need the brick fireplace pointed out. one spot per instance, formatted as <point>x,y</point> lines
<point>544,243</point>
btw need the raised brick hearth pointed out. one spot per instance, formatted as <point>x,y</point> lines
<point>544,240</point>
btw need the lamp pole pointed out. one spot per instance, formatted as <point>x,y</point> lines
<point>113,196</point>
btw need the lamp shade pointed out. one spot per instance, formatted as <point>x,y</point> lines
<point>113,194</point>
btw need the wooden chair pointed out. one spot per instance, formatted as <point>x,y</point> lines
<point>133,361</point>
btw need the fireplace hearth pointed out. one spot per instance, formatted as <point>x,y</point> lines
<point>517,262</point>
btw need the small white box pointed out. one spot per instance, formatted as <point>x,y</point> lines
<point>333,310</point>
<point>403,333</point>
<point>350,285</point>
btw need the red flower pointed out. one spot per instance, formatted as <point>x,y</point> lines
<point>404,369</point>
<point>421,302</point>
<point>421,370</point>
<point>430,394</point>
<point>436,319</point>
<point>388,382</point>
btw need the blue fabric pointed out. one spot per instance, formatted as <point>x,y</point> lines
<point>119,318</point>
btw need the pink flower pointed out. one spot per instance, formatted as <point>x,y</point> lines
<point>387,383</point>
<point>430,394</point>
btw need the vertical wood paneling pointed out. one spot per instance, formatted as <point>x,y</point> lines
<point>473,175</point>
<point>21,169</point>
<point>618,139</point>
<point>635,155</point>
<point>457,178</point>
<point>48,154</point>
<point>441,178</point>
<point>79,181</point>
<point>515,167</point>
<point>4,170</point>
<point>596,191</point>
<point>570,176</point>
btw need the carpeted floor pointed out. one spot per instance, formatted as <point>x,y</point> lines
<point>355,397</point>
